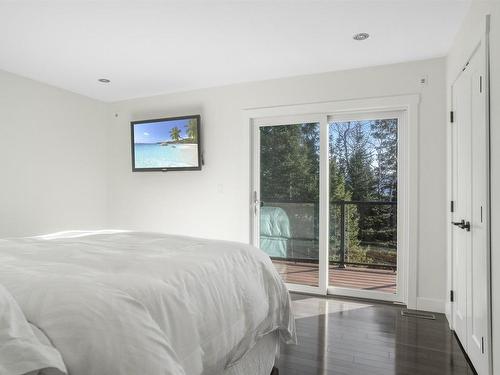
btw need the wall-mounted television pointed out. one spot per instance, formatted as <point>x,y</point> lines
<point>166,144</point>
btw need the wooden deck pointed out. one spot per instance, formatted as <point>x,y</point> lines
<point>349,277</point>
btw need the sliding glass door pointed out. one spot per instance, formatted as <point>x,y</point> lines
<point>287,201</point>
<point>363,162</point>
<point>325,202</point>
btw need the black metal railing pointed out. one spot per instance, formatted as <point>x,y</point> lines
<point>342,262</point>
<point>340,232</point>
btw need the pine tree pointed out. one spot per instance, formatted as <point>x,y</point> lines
<point>384,136</point>
<point>363,167</point>
<point>289,164</point>
<point>339,194</point>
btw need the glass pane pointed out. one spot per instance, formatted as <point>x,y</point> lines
<point>363,204</point>
<point>289,194</point>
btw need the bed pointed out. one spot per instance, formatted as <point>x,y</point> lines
<point>120,302</point>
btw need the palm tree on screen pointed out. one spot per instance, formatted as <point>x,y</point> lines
<point>192,129</point>
<point>175,133</point>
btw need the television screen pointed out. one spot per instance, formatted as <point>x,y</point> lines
<point>166,144</point>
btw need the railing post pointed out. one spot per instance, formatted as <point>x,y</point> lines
<point>342,235</point>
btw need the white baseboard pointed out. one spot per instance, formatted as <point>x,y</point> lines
<point>430,304</point>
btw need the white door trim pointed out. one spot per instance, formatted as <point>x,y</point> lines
<point>409,167</point>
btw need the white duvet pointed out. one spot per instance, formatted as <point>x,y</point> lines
<point>129,303</point>
<point>23,348</point>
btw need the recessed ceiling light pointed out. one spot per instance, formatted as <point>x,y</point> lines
<point>361,36</point>
<point>104,80</point>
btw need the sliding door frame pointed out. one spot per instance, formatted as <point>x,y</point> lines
<point>402,248</point>
<point>407,176</point>
<point>292,120</point>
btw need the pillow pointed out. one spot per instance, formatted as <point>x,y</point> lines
<point>21,351</point>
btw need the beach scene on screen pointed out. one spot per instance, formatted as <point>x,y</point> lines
<point>166,144</point>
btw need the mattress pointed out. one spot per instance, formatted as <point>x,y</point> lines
<point>119,302</point>
<point>259,360</point>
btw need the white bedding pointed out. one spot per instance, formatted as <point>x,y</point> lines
<point>22,348</point>
<point>116,302</point>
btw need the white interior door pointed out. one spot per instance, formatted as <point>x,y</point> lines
<point>470,232</point>
<point>461,199</point>
<point>477,325</point>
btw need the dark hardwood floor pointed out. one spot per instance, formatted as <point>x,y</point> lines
<point>348,337</point>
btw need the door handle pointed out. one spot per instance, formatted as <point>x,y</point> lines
<point>466,226</point>
<point>256,202</point>
<point>462,224</point>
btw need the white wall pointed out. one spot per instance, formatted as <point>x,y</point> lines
<point>215,202</point>
<point>60,172</point>
<point>472,27</point>
<point>52,159</point>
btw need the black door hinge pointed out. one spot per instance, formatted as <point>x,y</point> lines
<point>451,116</point>
<point>452,297</point>
<point>482,345</point>
<point>452,206</point>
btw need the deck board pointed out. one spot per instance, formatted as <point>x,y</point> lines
<point>349,277</point>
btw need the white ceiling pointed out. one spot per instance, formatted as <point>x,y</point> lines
<point>153,47</point>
